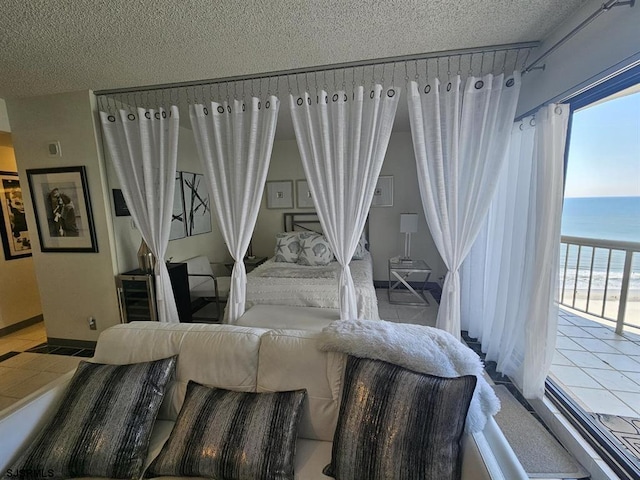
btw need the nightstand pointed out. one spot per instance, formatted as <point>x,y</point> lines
<point>400,273</point>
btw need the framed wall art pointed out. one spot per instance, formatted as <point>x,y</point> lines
<point>197,205</point>
<point>178,220</point>
<point>280,194</point>
<point>16,242</point>
<point>62,208</point>
<point>303,194</point>
<point>383,193</point>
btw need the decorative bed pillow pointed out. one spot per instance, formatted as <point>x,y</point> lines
<point>396,423</point>
<point>232,435</point>
<point>103,424</point>
<point>287,247</point>
<point>314,250</point>
<point>361,248</point>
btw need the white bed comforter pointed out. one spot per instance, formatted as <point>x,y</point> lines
<point>278,283</point>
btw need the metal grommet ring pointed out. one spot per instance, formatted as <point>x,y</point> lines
<point>147,115</point>
<point>521,126</point>
<point>532,122</point>
<point>299,101</point>
<point>371,95</point>
<point>479,84</point>
<point>335,97</point>
<point>511,82</point>
<point>449,87</point>
<point>111,118</point>
<point>267,104</point>
<point>156,115</point>
<point>229,108</point>
<point>427,89</point>
<point>131,116</point>
<point>558,109</point>
<point>164,114</point>
<point>309,100</point>
<point>244,107</point>
<point>259,105</point>
<point>346,99</point>
<point>326,99</point>
<point>220,109</point>
<point>205,110</point>
<point>391,92</point>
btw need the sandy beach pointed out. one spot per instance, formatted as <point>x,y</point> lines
<point>612,304</point>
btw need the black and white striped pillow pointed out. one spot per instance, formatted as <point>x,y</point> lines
<point>398,424</point>
<point>103,424</point>
<point>232,435</point>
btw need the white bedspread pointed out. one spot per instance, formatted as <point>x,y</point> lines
<point>278,283</point>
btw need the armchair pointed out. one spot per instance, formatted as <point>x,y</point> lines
<point>206,287</point>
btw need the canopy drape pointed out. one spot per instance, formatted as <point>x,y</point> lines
<point>144,149</point>
<point>342,141</point>
<point>234,142</point>
<point>512,269</point>
<point>460,138</point>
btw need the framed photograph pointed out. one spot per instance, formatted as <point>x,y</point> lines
<point>303,194</point>
<point>197,205</point>
<point>63,209</point>
<point>280,194</point>
<point>178,217</point>
<point>13,224</point>
<point>383,193</point>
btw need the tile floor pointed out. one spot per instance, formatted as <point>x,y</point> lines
<point>27,364</point>
<point>597,367</point>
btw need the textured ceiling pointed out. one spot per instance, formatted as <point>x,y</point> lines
<point>51,46</point>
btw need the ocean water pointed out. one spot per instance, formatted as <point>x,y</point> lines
<point>602,218</point>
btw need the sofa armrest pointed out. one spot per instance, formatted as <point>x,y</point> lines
<point>22,421</point>
<point>488,455</point>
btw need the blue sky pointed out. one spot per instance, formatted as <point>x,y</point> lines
<point>604,155</point>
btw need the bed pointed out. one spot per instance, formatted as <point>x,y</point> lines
<point>292,284</point>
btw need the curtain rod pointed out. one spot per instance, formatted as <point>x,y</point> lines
<point>324,68</point>
<point>605,7</point>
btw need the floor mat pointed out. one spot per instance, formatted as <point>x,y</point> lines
<point>540,454</point>
<point>625,429</point>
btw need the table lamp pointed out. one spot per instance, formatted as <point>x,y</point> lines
<point>408,225</point>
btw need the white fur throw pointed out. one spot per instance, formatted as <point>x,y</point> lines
<point>418,348</point>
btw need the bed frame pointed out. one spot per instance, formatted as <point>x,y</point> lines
<point>309,222</point>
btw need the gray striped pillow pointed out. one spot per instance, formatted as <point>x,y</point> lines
<point>232,435</point>
<point>103,424</point>
<point>398,424</point>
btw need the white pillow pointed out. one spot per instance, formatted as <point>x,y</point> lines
<point>287,247</point>
<point>314,250</point>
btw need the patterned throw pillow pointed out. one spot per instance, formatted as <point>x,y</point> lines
<point>103,424</point>
<point>287,247</point>
<point>361,248</point>
<point>395,423</point>
<point>232,435</point>
<point>314,250</point>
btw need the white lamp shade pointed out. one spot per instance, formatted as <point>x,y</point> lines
<point>409,223</point>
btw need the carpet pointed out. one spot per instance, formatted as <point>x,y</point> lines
<point>540,454</point>
<point>625,429</point>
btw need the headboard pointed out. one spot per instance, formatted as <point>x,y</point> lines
<point>309,222</point>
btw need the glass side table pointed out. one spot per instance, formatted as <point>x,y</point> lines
<point>400,273</point>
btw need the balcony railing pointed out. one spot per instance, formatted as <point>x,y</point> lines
<point>598,276</point>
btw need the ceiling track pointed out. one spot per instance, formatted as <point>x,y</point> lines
<point>332,67</point>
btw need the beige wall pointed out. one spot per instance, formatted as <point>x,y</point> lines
<point>4,118</point>
<point>384,222</point>
<point>19,297</point>
<point>73,286</point>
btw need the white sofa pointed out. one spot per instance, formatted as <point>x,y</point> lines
<point>243,359</point>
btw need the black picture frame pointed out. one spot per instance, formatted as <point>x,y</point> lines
<point>16,241</point>
<point>62,208</point>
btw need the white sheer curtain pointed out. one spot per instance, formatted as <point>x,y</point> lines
<point>234,142</point>
<point>512,268</point>
<point>460,138</point>
<point>342,142</point>
<point>144,150</point>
